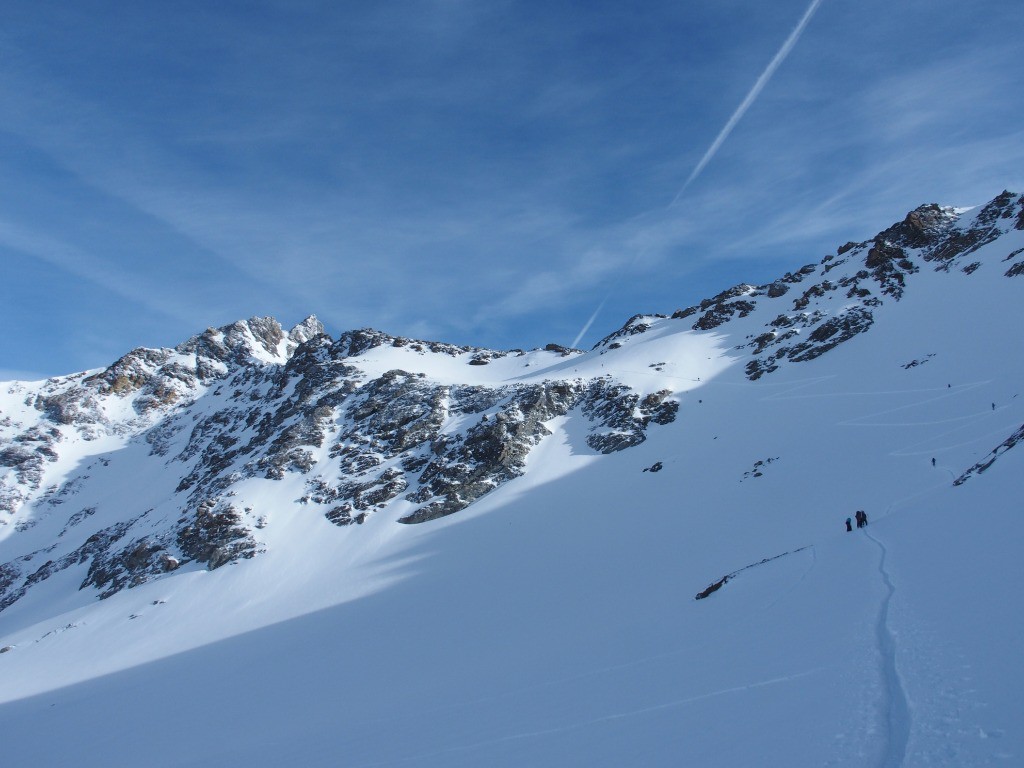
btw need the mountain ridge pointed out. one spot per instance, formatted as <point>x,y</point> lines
<point>409,437</point>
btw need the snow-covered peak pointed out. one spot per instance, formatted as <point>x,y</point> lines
<point>257,339</point>
<point>306,330</point>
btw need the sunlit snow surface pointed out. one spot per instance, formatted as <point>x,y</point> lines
<point>553,623</point>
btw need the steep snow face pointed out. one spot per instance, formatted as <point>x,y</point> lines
<point>245,534</point>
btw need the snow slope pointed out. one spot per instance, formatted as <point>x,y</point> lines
<point>553,621</point>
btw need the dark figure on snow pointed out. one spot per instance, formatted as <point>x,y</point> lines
<point>862,519</point>
<point>933,462</point>
<point>849,525</point>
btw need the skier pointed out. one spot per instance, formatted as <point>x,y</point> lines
<point>933,462</point>
<point>849,525</point>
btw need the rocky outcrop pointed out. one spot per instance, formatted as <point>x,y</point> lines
<point>831,333</point>
<point>637,324</point>
<point>26,456</point>
<point>876,271</point>
<point>953,243</point>
<point>622,416</point>
<point>980,467</point>
<point>214,535</point>
<point>112,570</point>
<point>857,279</point>
<point>491,452</point>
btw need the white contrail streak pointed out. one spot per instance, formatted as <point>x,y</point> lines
<point>589,323</point>
<point>762,81</point>
<point>723,134</point>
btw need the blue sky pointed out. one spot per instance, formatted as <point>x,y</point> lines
<point>484,173</point>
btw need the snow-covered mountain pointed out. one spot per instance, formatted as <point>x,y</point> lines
<point>267,545</point>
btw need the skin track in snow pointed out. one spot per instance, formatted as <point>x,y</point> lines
<point>895,708</point>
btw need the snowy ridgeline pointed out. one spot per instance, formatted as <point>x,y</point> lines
<point>236,502</point>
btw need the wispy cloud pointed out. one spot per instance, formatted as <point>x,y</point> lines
<point>94,270</point>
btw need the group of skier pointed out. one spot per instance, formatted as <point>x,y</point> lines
<point>861,517</point>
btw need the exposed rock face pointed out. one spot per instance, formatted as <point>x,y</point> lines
<point>215,535</point>
<point>623,417</point>
<point>394,442</point>
<point>491,452</point>
<point>109,570</point>
<point>990,459</point>
<point>636,324</point>
<point>162,390</point>
<point>831,333</point>
<point>251,402</point>
<point>27,455</point>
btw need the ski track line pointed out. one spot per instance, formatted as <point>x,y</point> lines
<point>932,449</point>
<point>946,394</point>
<point>798,582</point>
<point>598,672</point>
<point>788,393</point>
<point>897,710</point>
<point>858,422</point>
<point>595,721</point>
<point>904,502</point>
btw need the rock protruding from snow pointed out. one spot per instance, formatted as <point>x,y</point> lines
<point>305,330</point>
<point>981,466</point>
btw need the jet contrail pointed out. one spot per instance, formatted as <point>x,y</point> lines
<point>762,81</point>
<point>755,91</point>
<point>589,322</point>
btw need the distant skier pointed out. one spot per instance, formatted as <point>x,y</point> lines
<point>849,525</point>
<point>933,462</point>
<point>862,518</point>
<point>993,406</point>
